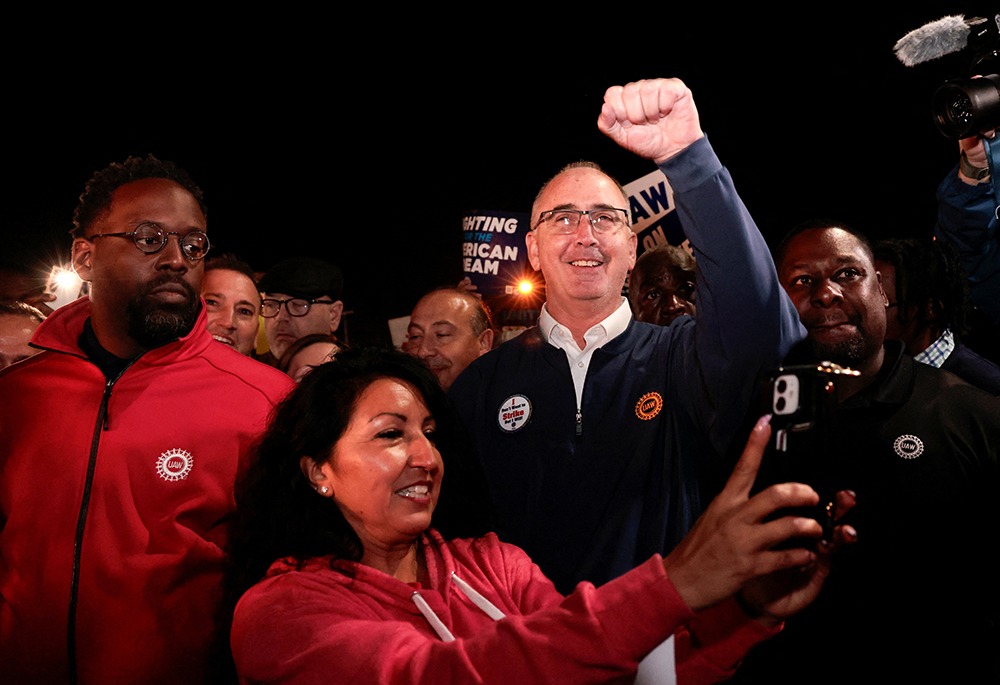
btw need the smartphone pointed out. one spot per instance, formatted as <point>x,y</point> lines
<point>800,400</point>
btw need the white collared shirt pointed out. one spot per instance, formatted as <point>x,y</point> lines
<point>559,336</point>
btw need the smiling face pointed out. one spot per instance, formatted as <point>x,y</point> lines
<point>440,335</point>
<point>385,473</point>
<point>584,267</point>
<point>832,281</point>
<point>233,306</point>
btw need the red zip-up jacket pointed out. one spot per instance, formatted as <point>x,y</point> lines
<point>114,498</point>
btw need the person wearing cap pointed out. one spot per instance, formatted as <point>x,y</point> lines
<point>301,297</point>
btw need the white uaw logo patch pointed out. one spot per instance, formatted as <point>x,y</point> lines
<point>514,413</point>
<point>908,446</point>
<point>174,464</point>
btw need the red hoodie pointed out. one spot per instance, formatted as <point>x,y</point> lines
<point>337,621</point>
<point>114,497</point>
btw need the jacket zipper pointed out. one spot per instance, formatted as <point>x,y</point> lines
<point>103,420</point>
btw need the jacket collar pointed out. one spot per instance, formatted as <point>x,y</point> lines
<point>61,331</point>
<point>894,383</point>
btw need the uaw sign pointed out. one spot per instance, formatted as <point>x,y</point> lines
<point>651,201</point>
<point>493,252</point>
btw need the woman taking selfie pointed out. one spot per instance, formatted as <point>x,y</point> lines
<point>358,561</point>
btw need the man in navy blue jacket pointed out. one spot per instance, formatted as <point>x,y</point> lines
<point>594,429</point>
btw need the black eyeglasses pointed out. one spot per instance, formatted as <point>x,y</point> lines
<point>150,238</point>
<point>295,306</point>
<point>565,221</point>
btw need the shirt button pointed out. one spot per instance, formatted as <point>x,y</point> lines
<point>580,364</point>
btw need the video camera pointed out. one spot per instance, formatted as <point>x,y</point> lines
<point>961,107</point>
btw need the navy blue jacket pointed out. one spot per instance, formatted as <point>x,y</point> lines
<point>591,499</point>
<point>973,369</point>
<point>967,218</point>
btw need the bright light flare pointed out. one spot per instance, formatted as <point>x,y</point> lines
<point>66,279</point>
<point>525,287</point>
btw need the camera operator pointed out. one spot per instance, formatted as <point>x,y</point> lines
<point>967,218</point>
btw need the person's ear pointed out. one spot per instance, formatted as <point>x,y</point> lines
<point>932,310</point>
<point>485,341</point>
<point>336,311</point>
<point>314,474</point>
<point>885,298</point>
<point>82,250</point>
<point>531,241</point>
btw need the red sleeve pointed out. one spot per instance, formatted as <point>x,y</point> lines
<point>710,647</point>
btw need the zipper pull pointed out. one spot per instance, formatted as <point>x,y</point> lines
<point>579,423</point>
<point>105,417</point>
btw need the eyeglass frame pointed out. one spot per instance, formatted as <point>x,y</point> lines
<point>165,235</point>
<point>580,213</point>
<point>309,304</point>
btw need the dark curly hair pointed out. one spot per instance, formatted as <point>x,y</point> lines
<point>279,515</point>
<point>927,272</point>
<point>95,201</point>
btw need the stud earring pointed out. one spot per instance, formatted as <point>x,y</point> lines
<point>323,490</point>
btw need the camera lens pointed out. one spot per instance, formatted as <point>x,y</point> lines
<point>782,386</point>
<point>967,107</point>
<point>780,404</point>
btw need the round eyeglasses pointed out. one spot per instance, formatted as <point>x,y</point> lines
<point>565,221</point>
<point>150,238</point>
<point>295,306</point>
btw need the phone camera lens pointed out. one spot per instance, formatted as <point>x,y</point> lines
<point>782,386</point>
<point>780,404</point>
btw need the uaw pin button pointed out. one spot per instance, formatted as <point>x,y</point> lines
<point>649,405</point>
<point>514,414</point>
<point>908,446</point>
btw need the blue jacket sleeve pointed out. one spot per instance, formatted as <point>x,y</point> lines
<point>745,323</point>
<point>967,218</point>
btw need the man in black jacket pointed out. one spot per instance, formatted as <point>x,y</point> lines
<point>916,599</point>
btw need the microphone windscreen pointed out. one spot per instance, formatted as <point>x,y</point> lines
<point>936,39</point>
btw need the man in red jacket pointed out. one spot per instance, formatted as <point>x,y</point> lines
<point>119,445</point>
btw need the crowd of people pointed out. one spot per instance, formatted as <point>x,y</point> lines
<point>188,496</point>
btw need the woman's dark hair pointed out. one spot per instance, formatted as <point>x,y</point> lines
<point>278,514</point>
<point>301,344</point>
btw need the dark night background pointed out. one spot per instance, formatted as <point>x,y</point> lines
<point>367,146</point>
